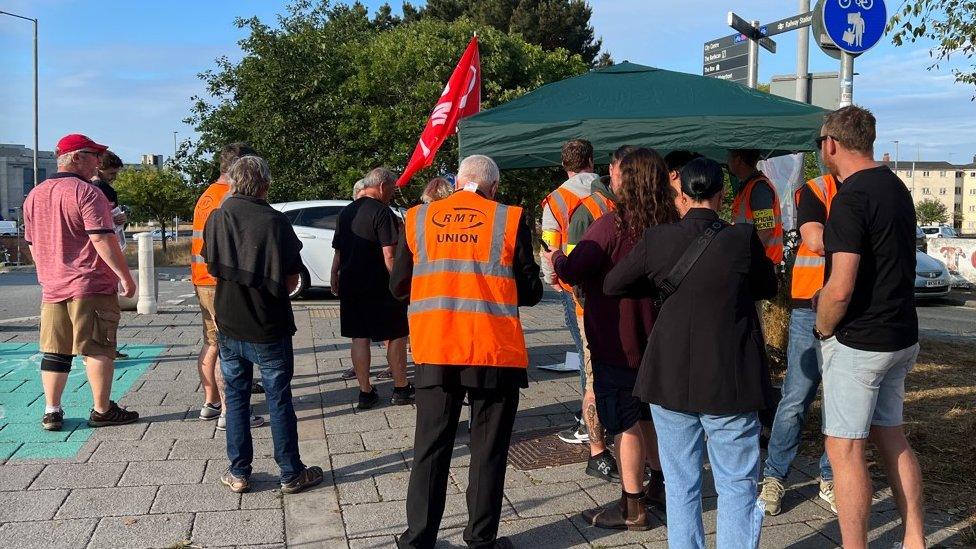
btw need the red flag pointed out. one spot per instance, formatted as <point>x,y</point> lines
<point>461,97</point>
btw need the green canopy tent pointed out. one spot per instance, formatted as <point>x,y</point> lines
<point>637,105</point>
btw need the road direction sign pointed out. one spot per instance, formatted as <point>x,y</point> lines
<point>855,26</point>
<point>790,23</point>
<point>722,66</point>
<point>739,75</point>
<point>750,32</point>
<point>725,54</point>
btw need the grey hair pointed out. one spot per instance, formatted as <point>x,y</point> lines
<point>249,176</point>
<point>358,188</point>
<point>378,177</point>
<point>478,169</point>
<point>67,159</point>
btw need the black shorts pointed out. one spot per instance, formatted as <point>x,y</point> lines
<point>377,320</point>
<point>616,404</point>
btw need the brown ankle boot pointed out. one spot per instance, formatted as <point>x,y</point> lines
<point>627,514</point>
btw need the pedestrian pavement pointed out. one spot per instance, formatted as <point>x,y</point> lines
<point>155,483</point>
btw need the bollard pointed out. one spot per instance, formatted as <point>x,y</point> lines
<point>147,276</point>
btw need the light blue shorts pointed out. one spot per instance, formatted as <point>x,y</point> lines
<point>862,388</point>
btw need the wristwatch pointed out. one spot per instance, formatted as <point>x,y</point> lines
<point>820,336</point>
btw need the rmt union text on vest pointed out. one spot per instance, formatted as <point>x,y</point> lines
<point>457,237</point>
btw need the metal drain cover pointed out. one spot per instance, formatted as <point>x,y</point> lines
<point>539,449</point>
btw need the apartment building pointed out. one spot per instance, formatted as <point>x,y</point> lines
<point>17,176</point>
<point>951,184</point>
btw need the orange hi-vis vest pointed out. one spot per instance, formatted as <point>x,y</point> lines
<point>809,268</point>
<point>598,206</point>
<point>562,202</point>
<point>763,220</point>
<point>463,298</point>
<point>210,200</point>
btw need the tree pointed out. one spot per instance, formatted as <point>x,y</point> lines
<point>328,95</point>
<point>931,212</point>
<point>155,194</point>
<point>552,24</point>
<point>950,23</point>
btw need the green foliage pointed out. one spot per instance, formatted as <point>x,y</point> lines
<point>931,212</point>
<point>329,95</point>
<point>552,24</point>
<point>155,194</point>
<point>949,23</point>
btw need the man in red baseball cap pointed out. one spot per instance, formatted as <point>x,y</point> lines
<point>69,228</point>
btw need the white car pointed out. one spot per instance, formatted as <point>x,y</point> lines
<point>314,222</point>
<point>939,231</point>
<point>9,228</point>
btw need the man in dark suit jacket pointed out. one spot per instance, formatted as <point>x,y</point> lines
<point>705,370</point>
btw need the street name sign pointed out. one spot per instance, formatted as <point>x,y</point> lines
<point>789,24</point>
<point>750,32</point>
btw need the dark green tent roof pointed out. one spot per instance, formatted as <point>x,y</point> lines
<point>629,104</point>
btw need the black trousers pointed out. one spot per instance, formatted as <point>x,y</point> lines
<point>492,416</point>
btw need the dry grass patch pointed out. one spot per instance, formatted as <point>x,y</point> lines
<point>176,254</point>
<point>940,422</point>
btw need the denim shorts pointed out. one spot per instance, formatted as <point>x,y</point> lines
<point>862,388</point>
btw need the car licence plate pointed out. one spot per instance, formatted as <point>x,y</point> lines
<point>934,283</point>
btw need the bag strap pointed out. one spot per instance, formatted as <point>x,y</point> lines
<point>687,260</point>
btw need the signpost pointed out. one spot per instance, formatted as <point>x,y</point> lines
<point>789,24</point>
<point>727,58</point>
<point>855,26</point>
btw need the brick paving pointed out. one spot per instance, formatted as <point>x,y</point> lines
<point>155,483</point>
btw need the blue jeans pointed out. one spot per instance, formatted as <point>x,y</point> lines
<point>733,452</point>
<point>803,375</point>
<point>572,323</point>
<point>277,363</point>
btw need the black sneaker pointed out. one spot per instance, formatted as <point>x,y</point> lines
<point>603,466</point>
<point>311,476</point>
<point>119,355</point>
<point>53,421</point>
<point>368,400</point>
<point>113,416</point>
<point>403,396</point>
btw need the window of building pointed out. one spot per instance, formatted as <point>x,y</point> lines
<point>972,208</point>
<point>972,174</point>
<point>958,191</point>
<point>972,191</point>
<point>942,173</point>
<point>908,174</point>
<point>960,174</point>
<point>926,191</point>
<point>942,190</point>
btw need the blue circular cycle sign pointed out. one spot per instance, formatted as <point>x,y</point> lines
<point>855,25</point>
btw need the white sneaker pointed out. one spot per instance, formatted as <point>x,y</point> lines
<point>210,411</point>
<point>827,493</point>
<point>256,421</point>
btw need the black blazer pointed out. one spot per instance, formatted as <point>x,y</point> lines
<point>706,353</point>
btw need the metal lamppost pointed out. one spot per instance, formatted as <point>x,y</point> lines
<point>175,146</point>
<point>896,154</point>
<point>36,124</point>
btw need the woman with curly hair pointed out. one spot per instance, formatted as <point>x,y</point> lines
<point>617,330</point>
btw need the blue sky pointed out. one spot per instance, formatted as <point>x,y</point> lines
<point>123,72</point>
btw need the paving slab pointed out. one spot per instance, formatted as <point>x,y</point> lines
<point>130,450</point>
<point>239,527</point>
<point>142,531</point>
<point>30,505</point>
<point>192,498</point>
<point>79,475</point>
<point>50,534</point>
<point>143,473</point>
<point>18,477</point>
<point>104,502</point>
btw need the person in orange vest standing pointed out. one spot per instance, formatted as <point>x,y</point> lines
<point>756,201</point>
<point>465,265</point>
<point>803,371</point>
<point>205,286</point>
<point>557,212</point>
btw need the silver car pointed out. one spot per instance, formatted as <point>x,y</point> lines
<point>931,277</point>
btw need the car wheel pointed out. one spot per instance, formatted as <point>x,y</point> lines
<point>303,282</point>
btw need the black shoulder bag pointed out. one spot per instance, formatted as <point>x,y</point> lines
<point>670,284</point>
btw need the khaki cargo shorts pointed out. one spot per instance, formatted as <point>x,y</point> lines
<point>205,295</point>
<point>85,326</point>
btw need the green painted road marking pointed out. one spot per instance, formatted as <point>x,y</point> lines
<point>22,400</point>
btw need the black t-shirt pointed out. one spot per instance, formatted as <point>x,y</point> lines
<point>110,193</point>
<point>873,216</point>
<point>809,209</point>
<point>362,230</point>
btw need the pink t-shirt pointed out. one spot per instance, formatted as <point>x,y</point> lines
<point>59,216</point>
